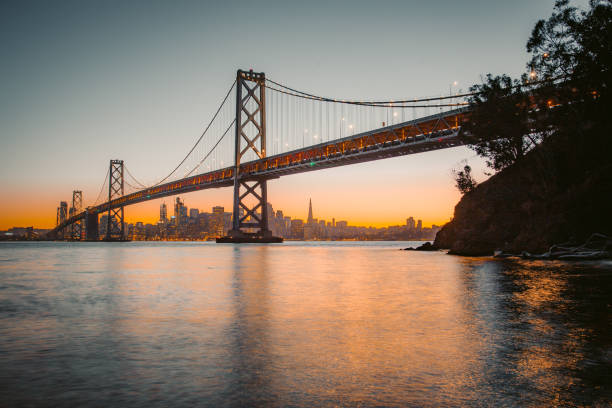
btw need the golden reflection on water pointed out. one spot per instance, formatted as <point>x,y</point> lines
<point>299,324</point>
<point>356,334</point>
<point>551,349</point>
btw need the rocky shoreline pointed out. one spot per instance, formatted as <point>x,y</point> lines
<point>598,246</point>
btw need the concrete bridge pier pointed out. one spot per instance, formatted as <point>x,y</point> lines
<point>91,226</point>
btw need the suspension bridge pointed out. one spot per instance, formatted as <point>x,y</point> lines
<point>263,130</point>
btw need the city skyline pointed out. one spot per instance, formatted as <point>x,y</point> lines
<point>167,225</point>
<point>311,227</point>
<point>153,218</point>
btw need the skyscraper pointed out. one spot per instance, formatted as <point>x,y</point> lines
<point>163,213</point>
<point>310,218</point>
<point>62,212</point>
<point>310,227</point>
<point>217,222</point>
<point>179,211</point>
<point>410,223</point>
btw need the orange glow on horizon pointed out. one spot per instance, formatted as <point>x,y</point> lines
<point>29,214</point>
<point>378,194</point>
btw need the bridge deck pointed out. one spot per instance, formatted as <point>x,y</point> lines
<point>433,132</point>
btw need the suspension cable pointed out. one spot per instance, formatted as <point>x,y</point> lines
<point>133,187</point>
<point>395,104</point>
<point>199,139</point>
<point>369,103</point>
<point>101,189</point>
<point>213,148</point>
<point>133,178</point>
<point>391,102</point>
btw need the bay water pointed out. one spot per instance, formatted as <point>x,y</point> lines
<point>298,324</point>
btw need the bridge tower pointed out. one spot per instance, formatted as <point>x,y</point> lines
<point>62,214</point>
<point>115,227</point>
<point>77,206</point>
<point>250,215</point>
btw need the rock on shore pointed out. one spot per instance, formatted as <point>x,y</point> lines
<point>427,246</point>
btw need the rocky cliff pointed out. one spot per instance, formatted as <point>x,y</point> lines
<point>512,212</point>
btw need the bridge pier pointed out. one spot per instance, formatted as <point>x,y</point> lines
<point>91,227</point>
<point>250,212</point>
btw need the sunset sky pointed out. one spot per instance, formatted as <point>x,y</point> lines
<point>82,82</point>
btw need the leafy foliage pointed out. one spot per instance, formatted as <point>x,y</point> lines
<point>499,122</point>
<point>464,181</point>
<point>563,102</point>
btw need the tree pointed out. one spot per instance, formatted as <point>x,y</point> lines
<point>464,181</point>
<point>498,128</point>
<point>560,103</point>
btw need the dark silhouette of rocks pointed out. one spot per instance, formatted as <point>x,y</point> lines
<point>510,213</point>
<point>427,246</point>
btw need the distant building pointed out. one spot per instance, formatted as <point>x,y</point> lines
<point>309,232</point>
<point>310,229</point>
<point>163,213</point>
<point>410,223</point>
<point>322,230</point>
<point>193,213</point>
<point>180,212</point>
<point>269,211</point>
<point>310,218</point>
<point>62,212</point>
<point>297,229</point>
<point>217,222</point>
<point>227,222</point>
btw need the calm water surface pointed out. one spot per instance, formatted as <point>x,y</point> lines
<point>298,324</point>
